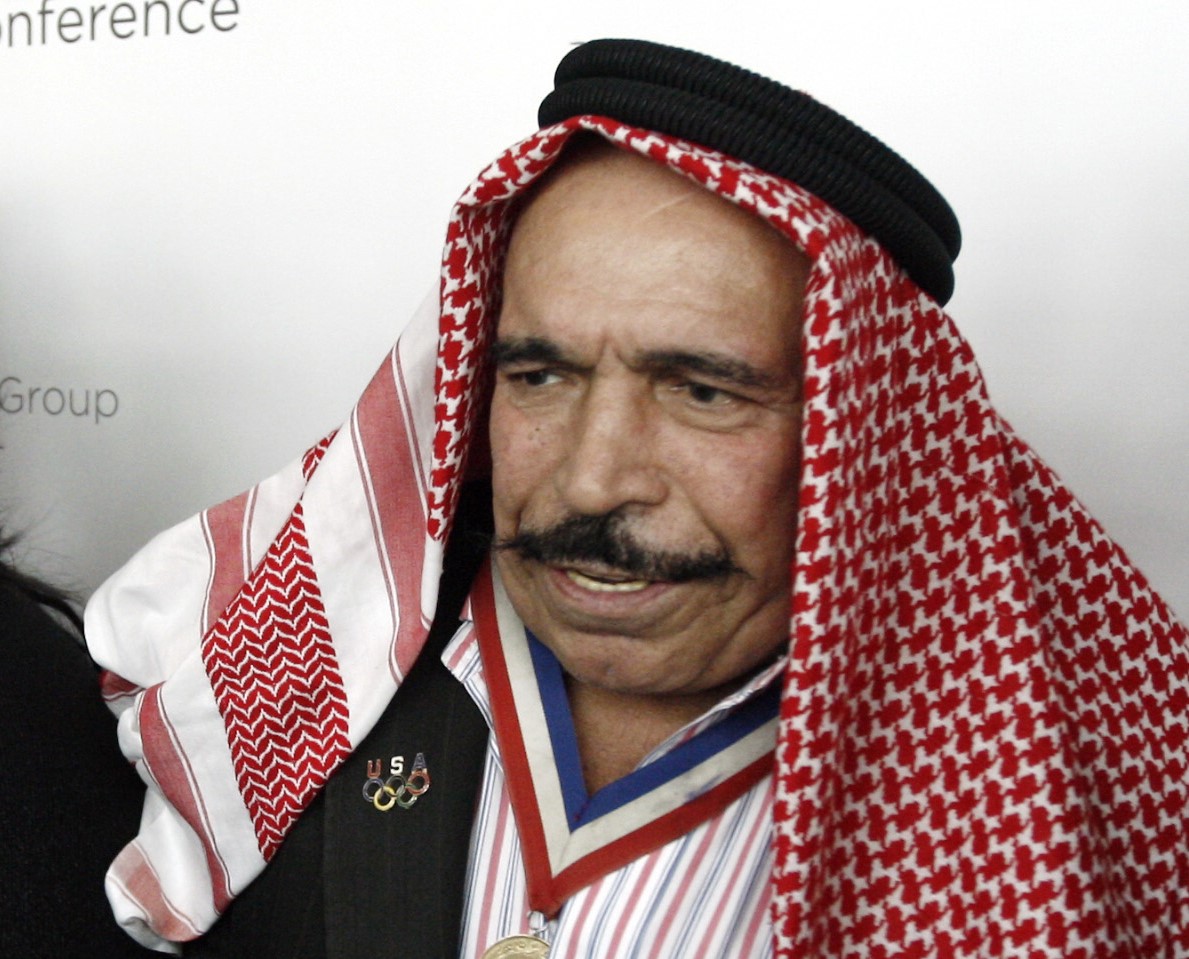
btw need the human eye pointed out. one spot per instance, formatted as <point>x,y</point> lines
<point>534,378</point>
<point>704,396</point>
<point>707,394</point>
<point>535,385</point>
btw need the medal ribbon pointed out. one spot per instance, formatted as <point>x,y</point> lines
<point>571,839</point>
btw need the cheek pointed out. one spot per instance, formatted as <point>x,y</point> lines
<point>520,462</point>
<point>778,482</point>
<point>751,498</point>
<point>505,478</point>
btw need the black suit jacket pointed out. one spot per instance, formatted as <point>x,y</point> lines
<point>350,881</point>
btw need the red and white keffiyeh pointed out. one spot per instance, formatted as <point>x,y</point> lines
<point>983,738</point>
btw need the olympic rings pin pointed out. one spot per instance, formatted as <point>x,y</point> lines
<point>398,789</point>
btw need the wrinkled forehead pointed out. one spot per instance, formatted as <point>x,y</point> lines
<point>599,205</point>
<point>593,169</point>
<point>612,251</point>
<point>486,216</point>
<point>610,155</point>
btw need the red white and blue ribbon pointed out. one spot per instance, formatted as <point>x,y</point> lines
<point>570,838</point>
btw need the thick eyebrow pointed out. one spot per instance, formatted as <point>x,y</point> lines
<point>525,349</point>
<point>716,366</point>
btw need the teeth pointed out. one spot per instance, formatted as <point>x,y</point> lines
<point>606,586</point>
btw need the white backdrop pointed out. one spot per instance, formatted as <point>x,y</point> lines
<point>209,239</point>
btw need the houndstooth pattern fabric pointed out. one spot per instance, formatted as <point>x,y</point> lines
<point>983,732</point>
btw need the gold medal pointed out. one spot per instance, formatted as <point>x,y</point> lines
<point>518,947</point>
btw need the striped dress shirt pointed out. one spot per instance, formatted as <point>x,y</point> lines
<point>705,894</point>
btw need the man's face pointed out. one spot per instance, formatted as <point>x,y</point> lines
<point>648,392</point>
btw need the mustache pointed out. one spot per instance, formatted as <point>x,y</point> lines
<point>605,540</point>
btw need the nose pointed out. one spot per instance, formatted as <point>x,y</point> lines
<point>612,459</point>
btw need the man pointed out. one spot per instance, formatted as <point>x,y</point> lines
<point>692,332</point>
